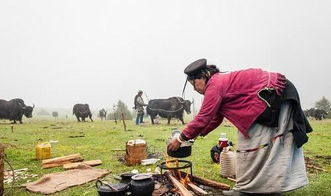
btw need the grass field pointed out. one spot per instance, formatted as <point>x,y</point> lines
<point>98,139</point>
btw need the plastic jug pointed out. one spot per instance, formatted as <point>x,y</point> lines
<point>227,158</point>
<point>43,151</point>
<point>228,162</point>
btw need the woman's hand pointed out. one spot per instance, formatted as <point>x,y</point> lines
<point>174,144</point>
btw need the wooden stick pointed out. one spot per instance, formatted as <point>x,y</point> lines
<point>76,165</point>
<point>197,190</point>
<point>123,122</point>
<point>314,167</point>
<point>209,182</point>
<point>231,179</point>
<point>62,159</point>
<point>2,158</point>
<point>182,190</point>
<point>51,165</point>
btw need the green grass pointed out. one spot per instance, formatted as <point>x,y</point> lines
<point>101,137</point>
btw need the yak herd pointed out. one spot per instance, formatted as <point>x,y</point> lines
<point>172,107</point>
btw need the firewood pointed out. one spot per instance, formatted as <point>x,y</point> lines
<point>208,182</point>
<point>51,165</point>
<point>75,165</point>
<point>197,190</point>
<point>182,190</point>
<point>62,159</point>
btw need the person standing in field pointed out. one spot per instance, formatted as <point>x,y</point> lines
<point>265,108</point>
<point>139,107</point>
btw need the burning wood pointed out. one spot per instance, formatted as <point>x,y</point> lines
<point>197,190</point>
<point>183,191</point>
<point>182,183</point>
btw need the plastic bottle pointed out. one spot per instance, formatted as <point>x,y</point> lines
<point>227,158</point>
<point>223,140</point>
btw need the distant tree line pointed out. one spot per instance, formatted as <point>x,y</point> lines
<point>321,109</point>
<point>119,109</point>
<point>324,104</point>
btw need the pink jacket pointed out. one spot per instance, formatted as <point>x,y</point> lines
<point>234,96</point>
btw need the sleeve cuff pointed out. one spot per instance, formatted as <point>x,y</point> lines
<point>183,137</point>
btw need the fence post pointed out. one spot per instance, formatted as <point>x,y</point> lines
<point>123,122</point>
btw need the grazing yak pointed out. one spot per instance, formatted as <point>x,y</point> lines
<point>14,110</point>
<point>82,111</point>
<point>103,114</point>
<point>318,114</point>
<point>172,107</point>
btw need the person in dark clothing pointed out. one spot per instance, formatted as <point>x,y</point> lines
<point>139,107</point>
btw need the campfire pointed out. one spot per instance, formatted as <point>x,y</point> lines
<point>176,178</point>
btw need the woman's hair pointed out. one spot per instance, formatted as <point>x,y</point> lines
<point>206,73</point>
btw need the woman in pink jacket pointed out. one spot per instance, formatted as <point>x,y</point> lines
<point>265,108</point>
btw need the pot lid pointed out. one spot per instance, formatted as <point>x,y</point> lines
<point>141,176</point>
<point>127,174</point>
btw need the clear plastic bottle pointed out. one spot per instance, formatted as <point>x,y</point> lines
<point>223,140</point>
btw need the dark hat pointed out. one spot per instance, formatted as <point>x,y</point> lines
<point>195,67</point>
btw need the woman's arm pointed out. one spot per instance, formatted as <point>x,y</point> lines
<point>209,116</point>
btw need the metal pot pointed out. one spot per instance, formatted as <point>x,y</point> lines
<point>104,189</point>
<point>142,185</point>
<point>185,148</point>
<point>181,152</point>
<point>126,177</point>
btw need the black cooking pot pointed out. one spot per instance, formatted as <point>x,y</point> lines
<point>119,189</point>
<point>181,152</point>
<point>126,177</point>
<point>142,185</point>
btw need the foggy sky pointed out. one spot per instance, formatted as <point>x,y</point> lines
<point>58,53</point>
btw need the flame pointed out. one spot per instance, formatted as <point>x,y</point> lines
<point>184,180</point>
<point>171,162</point>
